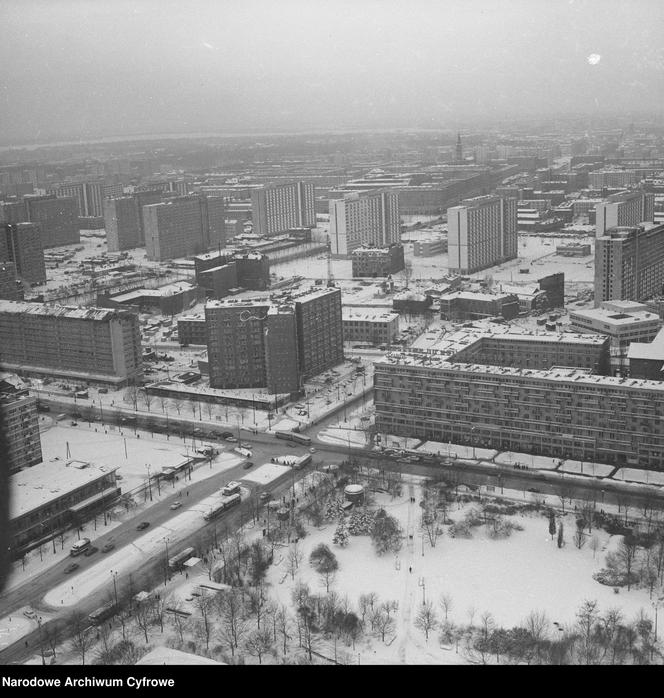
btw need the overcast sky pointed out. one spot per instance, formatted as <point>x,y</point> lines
<point>85,68</point>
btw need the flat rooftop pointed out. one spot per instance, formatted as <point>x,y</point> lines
<point>69,311</point>
<point>40,484</point>
<point>615,318</point>
<point>164,291</point>
<point>368,315</point>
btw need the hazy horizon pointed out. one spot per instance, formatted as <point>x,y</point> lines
<point>77,70</point>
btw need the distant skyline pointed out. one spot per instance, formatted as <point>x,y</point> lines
<point>86,69</point>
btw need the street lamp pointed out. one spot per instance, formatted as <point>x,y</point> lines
<point>147,465</point>
<point>41,646</point>
<point>472,439</point>
<point>114,574</point>
<point>166,566</point>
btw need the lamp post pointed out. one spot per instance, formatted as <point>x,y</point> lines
<point>41,645</point>
<point>114,574</point>
<point>166,564</point>
<point>472,439</point>
<point>147,465</point>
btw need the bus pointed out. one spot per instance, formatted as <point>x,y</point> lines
<point>226,503</point>
<point>301,462</point>
<point>178,560</point>
<point>102,613</point>
<point>79,547</point>
<point>231,488</point>
<point>293,436</point>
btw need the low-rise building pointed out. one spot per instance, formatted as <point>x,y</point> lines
<point>427,247</point>
<point>192,330</point>
<point>574,249</point>
<point>168,300</point>
<point>50,497</point>
<point>370,326</point>
<point>624,322</point>
<point>470,305</point>
<point>377,261</point>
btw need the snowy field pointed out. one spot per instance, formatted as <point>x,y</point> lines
<point>586,468</point>
<point>461,451</point>
<point>342,437</point>
<point>266,473</point>
<point>537,577</point>
<point>637,475</point>
<point>14,627</point>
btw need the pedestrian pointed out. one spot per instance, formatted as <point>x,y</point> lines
<point>187,493</point>
<point>186,575</point>
<point>410,569</point>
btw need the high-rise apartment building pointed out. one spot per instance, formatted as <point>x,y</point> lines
<point>236,344</point>
<point>624,209</point>
<point>176,228</point>
<point>91,344</point>
<point>24,248</point>
<point>57,219</point>
<point>319,330</point>
<point>629,263</point>
<point>10,288</point>
<point>482,232</point>
<point>121,219</point>
<point>369,219</point>
<point>277,208</point>
<point>255,344</point>
<point>21,427</point>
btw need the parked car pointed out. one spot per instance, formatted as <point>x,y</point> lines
<point>90,551</point>
<point>73,423</point>
<point>248,465</point>
<point>265,497</point>
<point>29,613</point>
<point>231,439</point>
<point>72,567</point>
<point>175,505</point>
<point>108,547</point>
<point>142,526</point>
<point>103,391</point>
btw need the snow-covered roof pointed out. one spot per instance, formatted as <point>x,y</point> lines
<point>166,656</point>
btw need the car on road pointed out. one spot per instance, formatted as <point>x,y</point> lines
<point>534,489</point>
<point>175,505</point>
<point>142,526</point>
<point>71,568</point>
<point>108,547</point>
<point>90,551</point>
<point>312,450</point>
<point>29,613</point>
<point>73,423</point>
<point>265,497</point>
<point>231,439</point>
<point>247,465</point>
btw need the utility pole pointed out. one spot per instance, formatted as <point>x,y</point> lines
<point>421,584</point>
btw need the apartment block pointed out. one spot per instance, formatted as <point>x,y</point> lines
<point>122,223</point>
<point>381,261</point>
<point>24,249</point>
<point>364,219</point>
<point>90,344</point>
<point>629,263</point>
<point>10,286</point>
<point>175,228</point>
<point>57,219</point>
<point>623,210</point>
<point>471,305</point>
<point>482,233</point>
<point>21,426</point>
<point>281,350</point>
<point>277,208</point>
<point>192,329</point>
<point>462,394</point>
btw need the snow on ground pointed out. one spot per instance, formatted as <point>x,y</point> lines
<point>342,437</point>
<point>537,576</point>
<point>586,468</point>
<point>266,473</point>
<point>637,475</point>
<point>284,424</point>
<point>539,462</point>
<point>129,557</point>
<point>14,627</point>
<point>467,452</point>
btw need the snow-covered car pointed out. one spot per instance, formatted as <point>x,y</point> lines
<point>175,505</point>
<point>108,547</point>
<point>29,613</point>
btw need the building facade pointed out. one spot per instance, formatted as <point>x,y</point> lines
<point>377,261</point>
<point>370,219</point>
<point>629,263</point>
<point>366,326</point>
<point>625,209</point>
<point>276,208</point>
<point>57,219</point>
<point>121,220</point>
<point>175,228</point>
<point>470,305</point>
<point>481,233</point>
<point>24,248</point>
<point>91,344</point>
<point>21,427</point>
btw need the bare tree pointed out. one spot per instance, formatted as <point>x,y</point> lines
<point>566,492</point>
<point>178,403</point>
<point>295,557</point>
<point>233,626</point>
<point>147,398</point>
<point>382,622</point>
<point>283,627</point>
<point>203,605</point>
<point>51,635</point>
<point>179,620</point>
<point>595,545</point>
<point>131,395</point>
<point>83,636</point>
<point>259,643</point>
<point>446,603</point>
<point>163,401</point>
<point>579,538</point>
<point>537,625</point>
<point>487,623</point>
<point>586,619</point>
<point>426,620</point>
<point>625,554</point>
<point>143,617</point>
